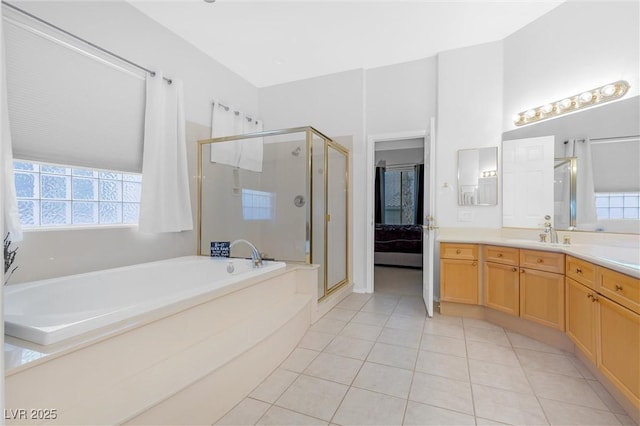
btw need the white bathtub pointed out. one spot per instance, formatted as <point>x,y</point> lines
<point>53,310</point>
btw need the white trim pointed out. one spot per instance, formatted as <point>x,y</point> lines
<point>370,168</point>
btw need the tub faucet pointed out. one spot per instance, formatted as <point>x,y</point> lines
<point>256,258</point>
<point>548,229</point>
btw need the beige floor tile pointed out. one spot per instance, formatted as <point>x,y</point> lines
<point>350,347</point>
<point>566,389</point>
<point>334,367</point>
<point>354,301</point>
<point>247,412</point>
<point>405,322</point>
<point>394,336</point>
<point>315,340</point>
<point>486,335</point>
<point>547,362</point>
<point>361,331</point>
<point>442,392</point>
<point>583,369</point>
<point>626,420</point>
<point>486,422</point>
<point>274,386</point>
<point>362,407</point>
<point>411,306</point>
<point>313,397</point>
<point>560,413</point>
<point>299,359</point>
<point>370,318</point>
<point>478,323</point>
<point>384,379</point>
<point>327,325</point>
<point>492,353</point>
<point>499,376</point>
<point>444,345</point>
<point>420,414</point>
<point>606,397</point>
<point>278,416</point>
<point>453,367</point>
<point>453,320</point>
<point>381,304</point>
<point>340,314</point>
<point>394,356</point>
<point>524,342</point>
<point>507,407</point>
<point>443,328</point>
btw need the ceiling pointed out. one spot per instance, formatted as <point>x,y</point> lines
<point>272,42</point>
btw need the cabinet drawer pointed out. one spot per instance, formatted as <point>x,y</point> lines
<point>459,251</point>
<point>619,287</point>
<point>582,271</point>
<point>542,260</point>
<point>504,255</point>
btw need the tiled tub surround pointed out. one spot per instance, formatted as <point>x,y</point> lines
<point>187,363</point>
<point>606,334</point>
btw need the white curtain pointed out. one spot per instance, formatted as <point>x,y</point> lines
<point>9,202</point>
<point>165,204</point>
<point>586,218</point>
<point>244,154</point>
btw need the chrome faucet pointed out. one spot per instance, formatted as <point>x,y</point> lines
<point>256,258</point>
<point>548,229</point>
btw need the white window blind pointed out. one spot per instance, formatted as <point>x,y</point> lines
<point>615,165</point>
<point>69,103</point>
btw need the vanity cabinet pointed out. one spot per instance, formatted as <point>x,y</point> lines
<point>581,316</point>
<point>501,279</point>
<point>581,271</point>
<point>542,287</point>
<point>459,273</point>
<point>620,288</point>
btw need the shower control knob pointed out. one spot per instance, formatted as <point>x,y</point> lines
<point>299,201</point>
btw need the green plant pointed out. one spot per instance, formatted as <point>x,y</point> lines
<point>9,258</point>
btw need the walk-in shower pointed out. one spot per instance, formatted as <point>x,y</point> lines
<point>294,209</point>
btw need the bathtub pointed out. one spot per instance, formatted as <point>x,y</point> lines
<point>54,310</point>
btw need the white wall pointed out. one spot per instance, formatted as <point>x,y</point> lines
<point>578,46</point>
<point>121,28</point>
<point>333,104</point>
<point>469,116</point>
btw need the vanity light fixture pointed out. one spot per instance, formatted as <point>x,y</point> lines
<point>586,99</point>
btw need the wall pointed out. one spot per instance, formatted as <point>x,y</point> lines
<point>400,156</point>
<point>333,104</point>
<point>469,116</point>
<point>578,46</point>
<point>121,28</point>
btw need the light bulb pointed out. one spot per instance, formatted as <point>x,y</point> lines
<point>516,118</point>
<point>586,97</point>
<point>608,90</point>
<point>530,114</point>
<point>564,104</point>
<point>546,108</point>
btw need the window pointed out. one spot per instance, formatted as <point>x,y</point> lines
<point>399,197</point>
<point>54,195</point>
<point>257,205</point>
<point>617,205</point>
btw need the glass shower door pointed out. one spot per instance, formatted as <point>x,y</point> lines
<point>337,218</point>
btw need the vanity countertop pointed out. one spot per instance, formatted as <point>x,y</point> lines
<point>619,253</point>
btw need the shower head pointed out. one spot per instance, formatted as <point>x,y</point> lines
<point>296,152</point>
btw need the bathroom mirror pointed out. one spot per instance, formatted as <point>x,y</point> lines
<point>478,177</point>
<point>607,172</point>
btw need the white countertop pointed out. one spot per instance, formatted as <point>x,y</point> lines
<point>617,252</point>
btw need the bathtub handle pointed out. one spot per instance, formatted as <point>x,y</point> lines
<point>230,267</point>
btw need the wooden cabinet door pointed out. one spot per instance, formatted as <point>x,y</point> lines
<point>501,287</point>
<point>581,317</point>
<point>619,347</point>
<point>459,281</point>
<point>542,297</point>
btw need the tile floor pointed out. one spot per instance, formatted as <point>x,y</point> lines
<point>377,359</point>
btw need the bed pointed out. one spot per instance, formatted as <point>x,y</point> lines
<point>398,245</point>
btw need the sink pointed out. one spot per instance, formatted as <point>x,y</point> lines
<point>538,243</point>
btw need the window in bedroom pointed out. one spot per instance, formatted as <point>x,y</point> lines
<point>399,197</point>
<point>57,196</point>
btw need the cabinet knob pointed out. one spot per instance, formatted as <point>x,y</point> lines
<point>594,298</point>
<point>514,269</point>
<point>540,260</point>
<point>458,251</point>
<point>499,254</point>
<point>474,263</point>
<point>578,271</point>
<point>522,271</point>
<point>589,296</point>
<point>618,287</point>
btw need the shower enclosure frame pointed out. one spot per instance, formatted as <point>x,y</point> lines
<point>309,132</point>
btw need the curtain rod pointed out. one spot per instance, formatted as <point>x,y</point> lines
<point>226,108</point>
<point>609,139</point>
<point>95,46</point>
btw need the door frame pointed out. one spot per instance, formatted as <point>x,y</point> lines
<point>370,195</point>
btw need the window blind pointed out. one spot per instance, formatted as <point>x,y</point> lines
<point>69,103</point>
<point>615,166</point>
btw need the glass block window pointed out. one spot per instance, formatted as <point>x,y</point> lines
<point>257,205</point>
<point>53,195</point>
<point>618,205</point>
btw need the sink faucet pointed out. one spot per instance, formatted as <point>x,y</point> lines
<point>256,258</point>
<point>548,229</point>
